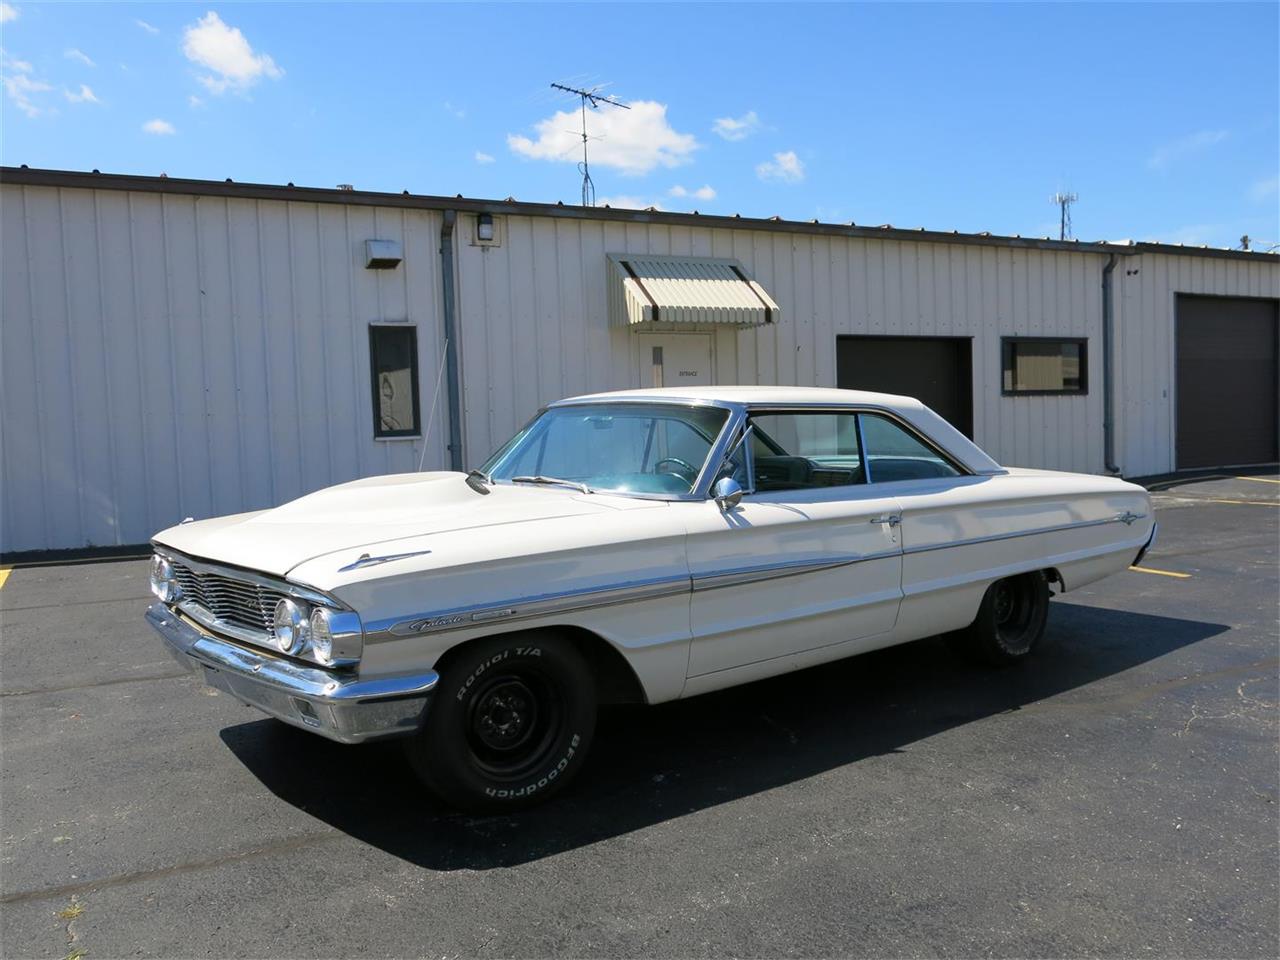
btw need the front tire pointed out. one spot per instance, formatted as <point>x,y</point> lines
<point>509,724</point>
<point>1010,620</point>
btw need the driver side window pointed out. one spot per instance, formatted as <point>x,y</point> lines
<point>805,450</point>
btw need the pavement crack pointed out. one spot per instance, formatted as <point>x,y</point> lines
<point>273,848</point>
<point>171,675</point>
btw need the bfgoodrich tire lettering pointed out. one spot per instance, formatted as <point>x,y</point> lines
<point>1010,621</point>
<point>509,724</point>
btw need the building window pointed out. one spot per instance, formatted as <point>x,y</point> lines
<point>393,362</point>
<point>1044,365</point>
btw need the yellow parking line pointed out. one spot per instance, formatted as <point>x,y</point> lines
<point>1259,479</point>
<point>4,575</point>
<point>1254,503</point>
<point>1162,573</point>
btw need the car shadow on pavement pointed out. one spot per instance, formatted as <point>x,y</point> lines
<point>653,764</point>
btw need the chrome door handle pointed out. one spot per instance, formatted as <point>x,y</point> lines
<point>892,520</point>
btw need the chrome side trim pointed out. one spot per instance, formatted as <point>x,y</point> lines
<point>573,601</point>
<point>992,538</point>
<point>525,608</point>
<point>777,571</point>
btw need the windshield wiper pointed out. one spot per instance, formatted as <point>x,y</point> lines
<point>556,481</point>
<point>478,481</point>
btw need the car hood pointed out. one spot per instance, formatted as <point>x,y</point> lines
<point>372,514</point>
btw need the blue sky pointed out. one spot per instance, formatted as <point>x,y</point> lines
<point>1163,118</point>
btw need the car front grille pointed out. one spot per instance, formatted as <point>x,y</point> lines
<point>233,603</point>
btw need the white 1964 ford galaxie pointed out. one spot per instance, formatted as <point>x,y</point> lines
<point>632,546</point>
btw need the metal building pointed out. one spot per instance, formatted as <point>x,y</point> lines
<point>177,348</point>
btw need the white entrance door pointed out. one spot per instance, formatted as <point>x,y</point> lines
<point>674,359</point>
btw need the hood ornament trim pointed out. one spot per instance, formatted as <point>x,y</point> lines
<point>364,560</point>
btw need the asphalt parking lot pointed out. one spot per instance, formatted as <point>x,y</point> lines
<point>1117,797</point>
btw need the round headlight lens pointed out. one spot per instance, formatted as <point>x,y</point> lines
<point>164,583</point>
<point>321,636</point>
<point>289,627</point>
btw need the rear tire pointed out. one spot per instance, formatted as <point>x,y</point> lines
<point>1010,621</point>
<point>509,723</point>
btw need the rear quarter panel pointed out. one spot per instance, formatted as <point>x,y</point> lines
<point>960,536</point>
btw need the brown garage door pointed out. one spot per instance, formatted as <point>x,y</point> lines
<point>1228,355</point>
<point>937,371</point>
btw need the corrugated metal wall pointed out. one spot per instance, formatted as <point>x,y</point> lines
<point>167,355</point>
<point>172,356</point>
<point>534,316</point>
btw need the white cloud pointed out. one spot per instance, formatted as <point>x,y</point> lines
<point>706,192</point>
<point>8,12</point>
<point>1191,144</point>
<point>459,112</point>
<point>786,167</point>
<point>74,54</point>
<point>194,102</point>
<point>737,128</point>
<point>20,66</point>
<point>482,157</point>
<point>1265,189</point>
<point>147,27</point>
<point>212,44</point>
<point>632,141</point>
<point>83,95</point>
<point>158,127</point>
<point>22,89</point>
<point>627,202</point>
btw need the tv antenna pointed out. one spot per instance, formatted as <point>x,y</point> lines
<point>595,98</point>
<point>1063,202</point>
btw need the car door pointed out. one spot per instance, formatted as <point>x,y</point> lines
<point>810,557</point>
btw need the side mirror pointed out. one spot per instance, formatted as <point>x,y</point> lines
<point>727,493</point>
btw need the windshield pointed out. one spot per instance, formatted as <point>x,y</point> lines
<point>619,447</point>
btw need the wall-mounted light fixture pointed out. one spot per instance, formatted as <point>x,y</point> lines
<point>488,232</point>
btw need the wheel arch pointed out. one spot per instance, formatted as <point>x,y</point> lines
<point>616,680</point>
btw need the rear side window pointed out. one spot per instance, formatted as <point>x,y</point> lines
<point>895,453</point>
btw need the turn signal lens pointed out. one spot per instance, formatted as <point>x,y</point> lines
<point>289,627</point>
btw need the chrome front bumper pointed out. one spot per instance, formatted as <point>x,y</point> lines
<point>339,706</point>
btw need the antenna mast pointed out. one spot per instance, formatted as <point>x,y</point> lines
<point>594,98</point>
<point>1063,202</point>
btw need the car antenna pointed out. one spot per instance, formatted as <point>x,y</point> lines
<point>435,395</point>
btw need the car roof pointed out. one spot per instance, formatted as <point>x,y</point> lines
<point>960,447</point>
<point>759,395</point>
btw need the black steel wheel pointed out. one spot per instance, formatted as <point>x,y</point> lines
<point>509,723</point>
<point>1010,621</point>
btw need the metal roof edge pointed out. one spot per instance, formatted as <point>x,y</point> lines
<point>27,176</point>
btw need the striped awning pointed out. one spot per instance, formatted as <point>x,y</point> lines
<point>645,289</point>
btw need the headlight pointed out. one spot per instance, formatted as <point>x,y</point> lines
<point>321,636</point>
<point>164,583</point>
<point>289,627</point>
